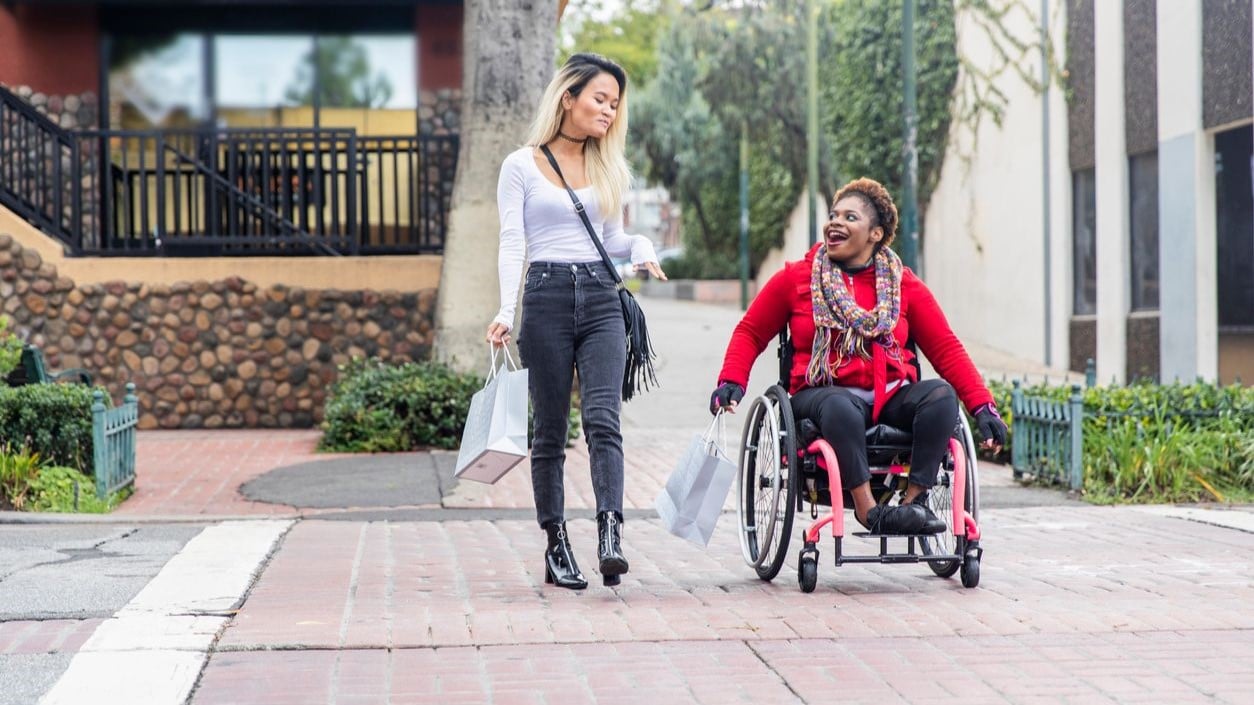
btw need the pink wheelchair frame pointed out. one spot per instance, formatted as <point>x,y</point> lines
<point>773,467</point>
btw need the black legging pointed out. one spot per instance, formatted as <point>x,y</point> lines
<point>929,409</point>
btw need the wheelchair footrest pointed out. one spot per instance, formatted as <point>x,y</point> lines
<point>913,552</point>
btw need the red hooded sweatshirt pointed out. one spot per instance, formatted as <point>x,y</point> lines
<point>785,300</point>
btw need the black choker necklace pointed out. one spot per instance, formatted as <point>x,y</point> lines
<point>568,138</point>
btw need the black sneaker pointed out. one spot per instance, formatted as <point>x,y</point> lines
<point>900,519</point>
<point>933,523</point>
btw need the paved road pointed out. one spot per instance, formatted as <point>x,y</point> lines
<point>58,583</point>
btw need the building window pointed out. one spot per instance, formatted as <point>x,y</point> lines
<point>367,81</point>
<point>1083,242</point>
<point>1234,221</point>
<point>1143,190</point>
<point>157,80</point>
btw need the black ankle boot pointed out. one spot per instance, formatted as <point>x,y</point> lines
<point>559,561</point>
<point>609,547</point>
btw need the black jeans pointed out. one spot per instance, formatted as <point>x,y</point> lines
<point>572,320</point>
<point>929,409</point>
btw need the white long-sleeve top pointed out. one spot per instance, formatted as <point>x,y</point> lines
<point>539,224</point>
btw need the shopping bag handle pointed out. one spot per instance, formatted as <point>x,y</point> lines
<point>510,365</point>
<point>719,424</point>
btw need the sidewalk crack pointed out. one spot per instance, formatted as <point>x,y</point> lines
<point>776,673</point>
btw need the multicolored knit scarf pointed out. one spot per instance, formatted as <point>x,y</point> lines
<point>843,326</point>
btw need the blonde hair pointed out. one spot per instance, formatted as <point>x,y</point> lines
<point>605,160</point>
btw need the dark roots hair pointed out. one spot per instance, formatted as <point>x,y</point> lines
<point>587,66</point>
<point>877,197</point>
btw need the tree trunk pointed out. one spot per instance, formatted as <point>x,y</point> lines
<point>508,55</point>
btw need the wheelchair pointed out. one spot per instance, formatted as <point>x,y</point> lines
<point>783,463</point>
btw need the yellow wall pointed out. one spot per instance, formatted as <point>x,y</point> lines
<point>367,121</point>
<point>405,273</point>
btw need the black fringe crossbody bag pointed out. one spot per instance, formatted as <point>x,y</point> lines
<point>639,375</point>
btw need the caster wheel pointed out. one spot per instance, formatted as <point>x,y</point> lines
<point>971,572</point>
<point>808,571</point>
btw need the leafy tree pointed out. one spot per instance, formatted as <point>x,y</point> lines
<point>742,64</point>
<point>860,86</point>
<point>339,69</point>
<point>628,36</point>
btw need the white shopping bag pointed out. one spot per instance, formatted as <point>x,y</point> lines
<point>495,437</point>
<point>693,498</point>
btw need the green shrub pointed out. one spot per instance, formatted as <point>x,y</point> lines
<point>700,265</point>
<point>62,489</point>
<point>52,420</point>
<point>377,407</point>
<point>1164,443</point>
<point>18,468</point>
<point>10,350</point>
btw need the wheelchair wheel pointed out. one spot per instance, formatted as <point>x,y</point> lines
<point>971,572</point>
<point>808,569</point>
<point>766,488</point>
<point>940,500</point>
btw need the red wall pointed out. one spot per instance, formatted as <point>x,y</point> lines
<point>439,31</point>
<point>54,50</point>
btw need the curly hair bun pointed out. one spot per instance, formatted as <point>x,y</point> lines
<point>876,196</point>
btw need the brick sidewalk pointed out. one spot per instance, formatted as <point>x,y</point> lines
<point>1077,604</point>
<point>192,473</point>
<point>199,473</point>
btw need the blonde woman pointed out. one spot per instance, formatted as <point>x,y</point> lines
<point>571,314</point>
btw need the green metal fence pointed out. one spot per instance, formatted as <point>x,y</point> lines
<point>113,440</point>
<point>1048,437</point>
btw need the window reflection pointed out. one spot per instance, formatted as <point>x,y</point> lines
<point>157,81</point>
<point>253,79</point>
<point>367,82</point>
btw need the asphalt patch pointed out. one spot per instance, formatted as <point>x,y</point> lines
<point>381,480</point>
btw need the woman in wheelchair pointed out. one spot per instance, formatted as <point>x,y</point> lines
<point>851,307</point>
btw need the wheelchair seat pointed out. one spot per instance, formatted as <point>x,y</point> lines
<point>877,436</point>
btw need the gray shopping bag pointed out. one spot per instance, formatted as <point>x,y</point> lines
<point>495,437</point>
<point>693,498</point>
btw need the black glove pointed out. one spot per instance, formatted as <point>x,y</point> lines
<point>726,393</point>
<point>990,425</point>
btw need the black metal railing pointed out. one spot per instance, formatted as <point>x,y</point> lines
<point>230,191</point>
<point>40,169</point>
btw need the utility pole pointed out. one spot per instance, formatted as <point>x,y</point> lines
<point>909,248</point>
<point>812,116</point>
<point>1045,176</point>
<point>744,216</point>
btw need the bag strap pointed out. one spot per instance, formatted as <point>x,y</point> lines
<point>583,215</point>
<point>507,362</point>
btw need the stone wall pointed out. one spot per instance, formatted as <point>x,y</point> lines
<point>210,354</point>
<point>69,111</point>
<point>440,112</point>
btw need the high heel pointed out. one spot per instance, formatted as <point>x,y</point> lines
<point>560,568</point>
<point>609,547</point>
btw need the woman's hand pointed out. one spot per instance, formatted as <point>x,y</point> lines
<point>726,397</point>
<point>992,428</point>
<point>653,268</point>
<point>498,334</point>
